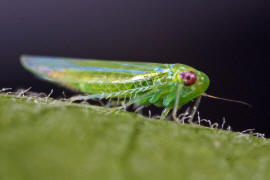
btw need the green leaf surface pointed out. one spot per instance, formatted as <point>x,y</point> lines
<point>42,139</point>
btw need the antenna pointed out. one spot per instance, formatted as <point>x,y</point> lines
<point>230,100</point>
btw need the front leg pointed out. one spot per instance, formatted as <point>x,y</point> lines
<point>175,108</point>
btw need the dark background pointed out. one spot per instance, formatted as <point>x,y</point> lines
<point>228,40</point>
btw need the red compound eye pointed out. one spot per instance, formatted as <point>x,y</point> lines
<point>188,77</point>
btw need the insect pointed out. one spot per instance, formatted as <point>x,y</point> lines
<point>165,85</point>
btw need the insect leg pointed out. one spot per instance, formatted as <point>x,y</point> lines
<point>195,108</point>
<point>134,100</point>
<point>175,108</point>
<point>164,113</point>
<point>118,99</point>
<point>109,103</point>
<point>86,97</point>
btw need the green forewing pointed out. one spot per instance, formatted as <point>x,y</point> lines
<point>77,73</point>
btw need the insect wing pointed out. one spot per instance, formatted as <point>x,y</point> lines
<point>74,72</point>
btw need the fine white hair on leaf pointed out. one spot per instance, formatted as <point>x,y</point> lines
<point>248,131</point>
<point>5,89</point>
<point>207,121</point>
<point>183,116</point>
<point>43,98</point>
<point>199,118</point>
<point>251,132</point>
<point>149,114</point>
<point>223,122</point>
<point>214,125</point>
<point>48,96</point>
<point>64,95</point>
<point>21,92</point>
<point>261,135</point>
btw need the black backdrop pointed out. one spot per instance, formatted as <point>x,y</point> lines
<point>228,40</point>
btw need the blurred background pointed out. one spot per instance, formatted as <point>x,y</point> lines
<point>228,40</point>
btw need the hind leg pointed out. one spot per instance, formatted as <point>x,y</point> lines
<point>85,97</point>
<point>164,113</point>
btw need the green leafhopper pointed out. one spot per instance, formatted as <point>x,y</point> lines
<point>165,85</point>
